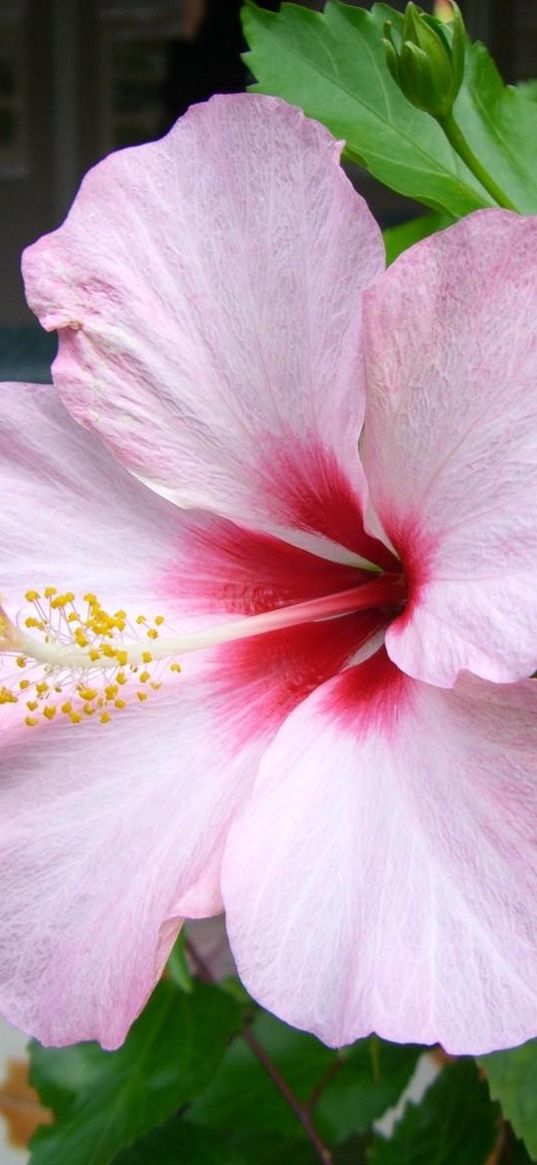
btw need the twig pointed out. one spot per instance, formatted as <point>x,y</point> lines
<point>301,1111</point>
<point>325,1080</point>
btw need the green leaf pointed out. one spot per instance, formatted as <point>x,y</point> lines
<point>455,1124</point>
<point>105,1100</point>
<point>528,88</point>
<point>352,1088</point>
<point>398,239</point>
<point>372,1076</point>
<point>333,66</point>
<point>353,1151</point>
<point>274,1148</point>
<point>512,1078</point>
<point>178,968</point>
<point>515,1153</point>
<point>500,124</point>
<point>179,1141</point>
<point>242,1087</point>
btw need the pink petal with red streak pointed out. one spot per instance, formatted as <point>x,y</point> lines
<point>111,832</point>
<point>207,288</point>
<point>384,876</point>
<point>450,445</point>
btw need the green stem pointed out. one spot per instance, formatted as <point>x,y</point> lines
<point>457,139</point>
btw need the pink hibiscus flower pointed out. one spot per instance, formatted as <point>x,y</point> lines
<point>348,763</point>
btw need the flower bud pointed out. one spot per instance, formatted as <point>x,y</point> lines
<point>443,11</point>
<point>427,63</point>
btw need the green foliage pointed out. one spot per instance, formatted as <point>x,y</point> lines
<point>455,1124</point>
<point>181,1143</point>
<point>512,1078</point>
<point>500,124</point>
<point>268,1148</point>
<point>397,239</point>
<point>242,1086</point>
<point>351,1152</point>
<point>516,1152</point>
<point>353,1087</point>
<point>372,1076</point>
<point>528,88</point>
<point>178,968</point>
<point>105,1100</point>
<point>333,65</point>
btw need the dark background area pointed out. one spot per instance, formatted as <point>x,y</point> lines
<point>79,78</point>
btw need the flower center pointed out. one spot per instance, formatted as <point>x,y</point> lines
<point>77,659</point>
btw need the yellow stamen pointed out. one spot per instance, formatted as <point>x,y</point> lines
<point>82,659</point>
<point>7,697</point>
<point>87,693</point>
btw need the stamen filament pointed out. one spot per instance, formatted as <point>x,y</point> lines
<point>385,591</point>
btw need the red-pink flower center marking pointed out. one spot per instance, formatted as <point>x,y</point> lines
<point>95,654</point>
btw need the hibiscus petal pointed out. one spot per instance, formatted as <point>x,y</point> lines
<point>450,445</point>
<point>110,833</point>
<point>73,516</point>
<point>383,876</point>
<point>207,288</point>
<point>107,831</point>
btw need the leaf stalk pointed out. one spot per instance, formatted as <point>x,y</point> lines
<point>459,143</point>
